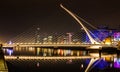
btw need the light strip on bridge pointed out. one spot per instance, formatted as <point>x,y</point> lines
<point>55,57</point>
<point>39,57</point>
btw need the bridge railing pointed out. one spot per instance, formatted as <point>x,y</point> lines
<point>45,44</point>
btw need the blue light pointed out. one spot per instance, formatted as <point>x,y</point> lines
<point>101,65</point>
<point>9,51</point>
<point>87,61</point>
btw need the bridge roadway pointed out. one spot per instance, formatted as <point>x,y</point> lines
<point>82,46</point>
<point>44,45</point>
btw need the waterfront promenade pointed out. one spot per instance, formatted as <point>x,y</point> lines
<point>3,65</point>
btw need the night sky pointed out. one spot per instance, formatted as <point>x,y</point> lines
<point>16,16</point>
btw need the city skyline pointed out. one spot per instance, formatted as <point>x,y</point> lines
<point>18,16</point>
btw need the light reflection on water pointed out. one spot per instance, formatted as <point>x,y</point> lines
<point>105,63</point>
<point>44,52</point>
<point>117,62</point>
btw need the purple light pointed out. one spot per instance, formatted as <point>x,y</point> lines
<point>117,62</point>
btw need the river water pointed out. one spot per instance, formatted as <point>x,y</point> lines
<point>107,64</point>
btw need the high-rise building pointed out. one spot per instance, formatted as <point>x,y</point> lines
<point>116,36</point>
<point>69,37</point>
<point>50,39</point>
<point>37,35</point>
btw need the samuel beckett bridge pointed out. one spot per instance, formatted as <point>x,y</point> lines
<point>84,39</point>
<point>35,38</point>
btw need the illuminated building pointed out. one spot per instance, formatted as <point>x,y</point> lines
<point>69,37</point>
<point>101,34</point>
<point>117,62</point>
<point>108,40</point>
<point>116,36</point>
<point>37,36</point>
<point>45,40</point>
<point>50,39</point>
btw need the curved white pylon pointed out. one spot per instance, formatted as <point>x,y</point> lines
<point>69,12</point>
